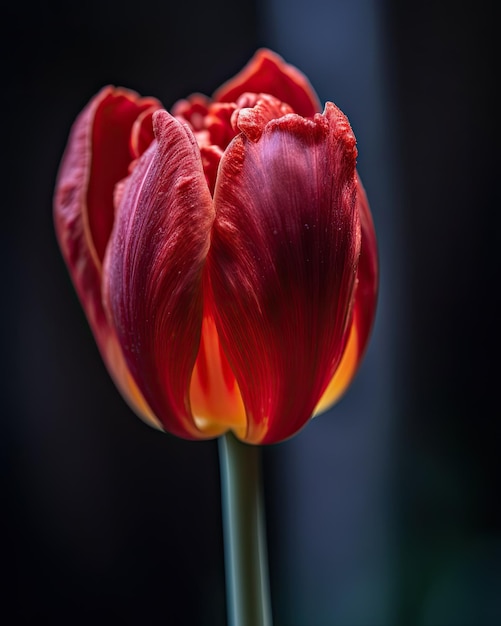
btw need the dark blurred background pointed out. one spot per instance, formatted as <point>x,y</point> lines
<point>384,512</point>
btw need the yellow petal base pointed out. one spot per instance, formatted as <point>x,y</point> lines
<point>216,401</point>
<point>344,373</point>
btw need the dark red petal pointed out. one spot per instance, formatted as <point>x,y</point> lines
<point>110,153</point>
<point>254,113</point>
<point>268,73</point>
<point>364,309</point>
<point>78,224</point>
<point>368,273</point>
<point>142,132</point>
<point>282,265</point>
<point>154,268</point>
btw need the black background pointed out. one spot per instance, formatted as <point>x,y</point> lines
<point>444,59</point>
<point>105,519</point>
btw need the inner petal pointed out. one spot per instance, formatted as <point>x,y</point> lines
<point>216,402</point>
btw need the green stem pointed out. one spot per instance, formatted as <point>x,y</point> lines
<point>247,588</point>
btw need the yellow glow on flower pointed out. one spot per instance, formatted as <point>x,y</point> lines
<point>215,397</point>
<point>344,373</point>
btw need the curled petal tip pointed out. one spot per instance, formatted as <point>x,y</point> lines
<point>284,253</point>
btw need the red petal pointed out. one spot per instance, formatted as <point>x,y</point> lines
<point>110,158</point>
<point>364,309</point>
<point>83,213</point>
<point>282,265</point>
<point>154,268</point>
<point>192,110</point>
<point>367,275</point>
<point>142,132</point>
<point>255,112</point>
<point>218,123</point>
<point>211,156</point>
<point>267,72</point>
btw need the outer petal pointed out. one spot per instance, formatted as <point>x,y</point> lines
<point>282,265</point>
<point>364,309</point>
<point>154,267</point>
<point>268,73</point>
<point>96,158</point>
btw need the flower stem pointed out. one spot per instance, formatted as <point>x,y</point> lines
<point>247,588</point>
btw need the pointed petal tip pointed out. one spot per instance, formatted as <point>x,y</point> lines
<point>267,72</point>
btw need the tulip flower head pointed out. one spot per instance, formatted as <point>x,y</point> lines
<point>224,253</point>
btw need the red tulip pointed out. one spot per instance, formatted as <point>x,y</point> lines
<point>224,254</point>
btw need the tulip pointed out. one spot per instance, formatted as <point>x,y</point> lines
<point>225,256</point>
<point>224,253</point>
